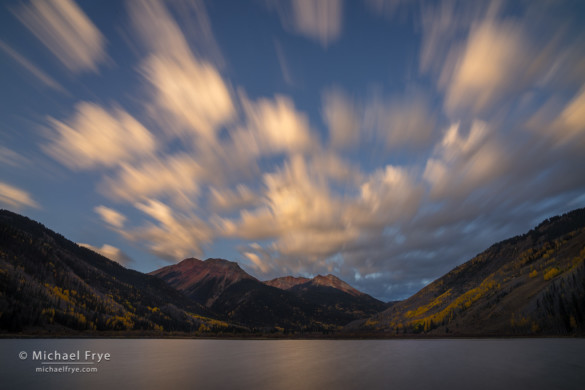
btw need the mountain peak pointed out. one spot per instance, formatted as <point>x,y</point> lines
<point>190,274</point>
<point>333,281</point>
<point>286,282</point>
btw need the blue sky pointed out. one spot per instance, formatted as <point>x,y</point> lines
<point>383,141</point>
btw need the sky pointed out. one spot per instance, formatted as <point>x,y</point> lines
<point>382,141</point>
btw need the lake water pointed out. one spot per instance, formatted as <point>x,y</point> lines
<point>295,364</point>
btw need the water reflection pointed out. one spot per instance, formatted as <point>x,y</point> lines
<point>306,364</point>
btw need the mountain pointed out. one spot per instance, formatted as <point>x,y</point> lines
<point>530,284</point>
<point>203,281</point>
<point>321,303</point>
<point>333,293</point>
<point>49,283</point>
<point>223,287</point>
<point>331,281</point>
<point>286,282</point>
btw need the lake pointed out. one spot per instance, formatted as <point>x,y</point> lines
<point>293,364</point>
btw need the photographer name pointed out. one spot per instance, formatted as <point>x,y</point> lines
<point>56,356</point>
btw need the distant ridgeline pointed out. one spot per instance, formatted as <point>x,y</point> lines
<point>532,284</point>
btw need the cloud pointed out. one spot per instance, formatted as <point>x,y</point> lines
<point>342,119</point>
<point>96,137</point>
<point>111,252</point>
<point>570,124</point>
<point>284,68</point>
<point>175,175</point>
<point>461,165</point>
<point>408,121</point>
<point>386,197</point>
<point>190,92</point>
<point>174,236</point>
<point>295,198</point>
<point>66,31</point>
<point>494,63</point>
<point>110,216</point>
<point>396,122</point>
<point>33,69</point>
<point>276,126</point>
<point>310,223</point>
<point>10,157</point>
<point>442,25</point>
<point>15,197</point>
<point>318,20</point>
<point>227,200</point>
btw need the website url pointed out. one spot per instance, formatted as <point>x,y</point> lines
<point>65,369</point>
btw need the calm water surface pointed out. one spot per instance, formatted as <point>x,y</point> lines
<point>300,364</point>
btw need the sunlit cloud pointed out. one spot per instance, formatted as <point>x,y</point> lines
<point>188,93</point>
<point>176,176</point>
<point>11,196</point>
<point>318,20</point>
<point>173,236</point>
<point>66,31</point>
<point>227,200</point>
<point>111,216</point>
<point>494,62</point>
<point>277,126</point>
<point>342,119</point>
<point>97,137</point>
<point>111,252</point>
<point>460,164</point>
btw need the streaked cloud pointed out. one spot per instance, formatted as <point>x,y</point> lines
<point>12,158</point>
<point>284,66</point>
<point>407,121</point>
<point>277,126</point>
<point>176,176</point>
<point>189,93</point>
<point>96,137</point>
<point>342,119</point>
<point>226,199</point>
<point>111,216</point>
<point>319,20</point>
<point>494,62</point>
<point>570,124</point>
<point>460,164</point>
<point>111,252</point>
<point>33,69</point>
<point>66,31</point>
<point>17,198</point>
<point>172,236</point>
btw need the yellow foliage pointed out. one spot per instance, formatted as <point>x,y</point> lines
<point>533,274</point>
<point>551,273</point>
<point>371,323</point>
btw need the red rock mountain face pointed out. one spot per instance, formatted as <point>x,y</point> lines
<point>335,282</point>
<point>212,275</point>
<point>289,302</point>
<point>286,282</point>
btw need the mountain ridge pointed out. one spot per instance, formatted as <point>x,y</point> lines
<point>324,302</point>
<point>48,282</point>
<point>532,283</point>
